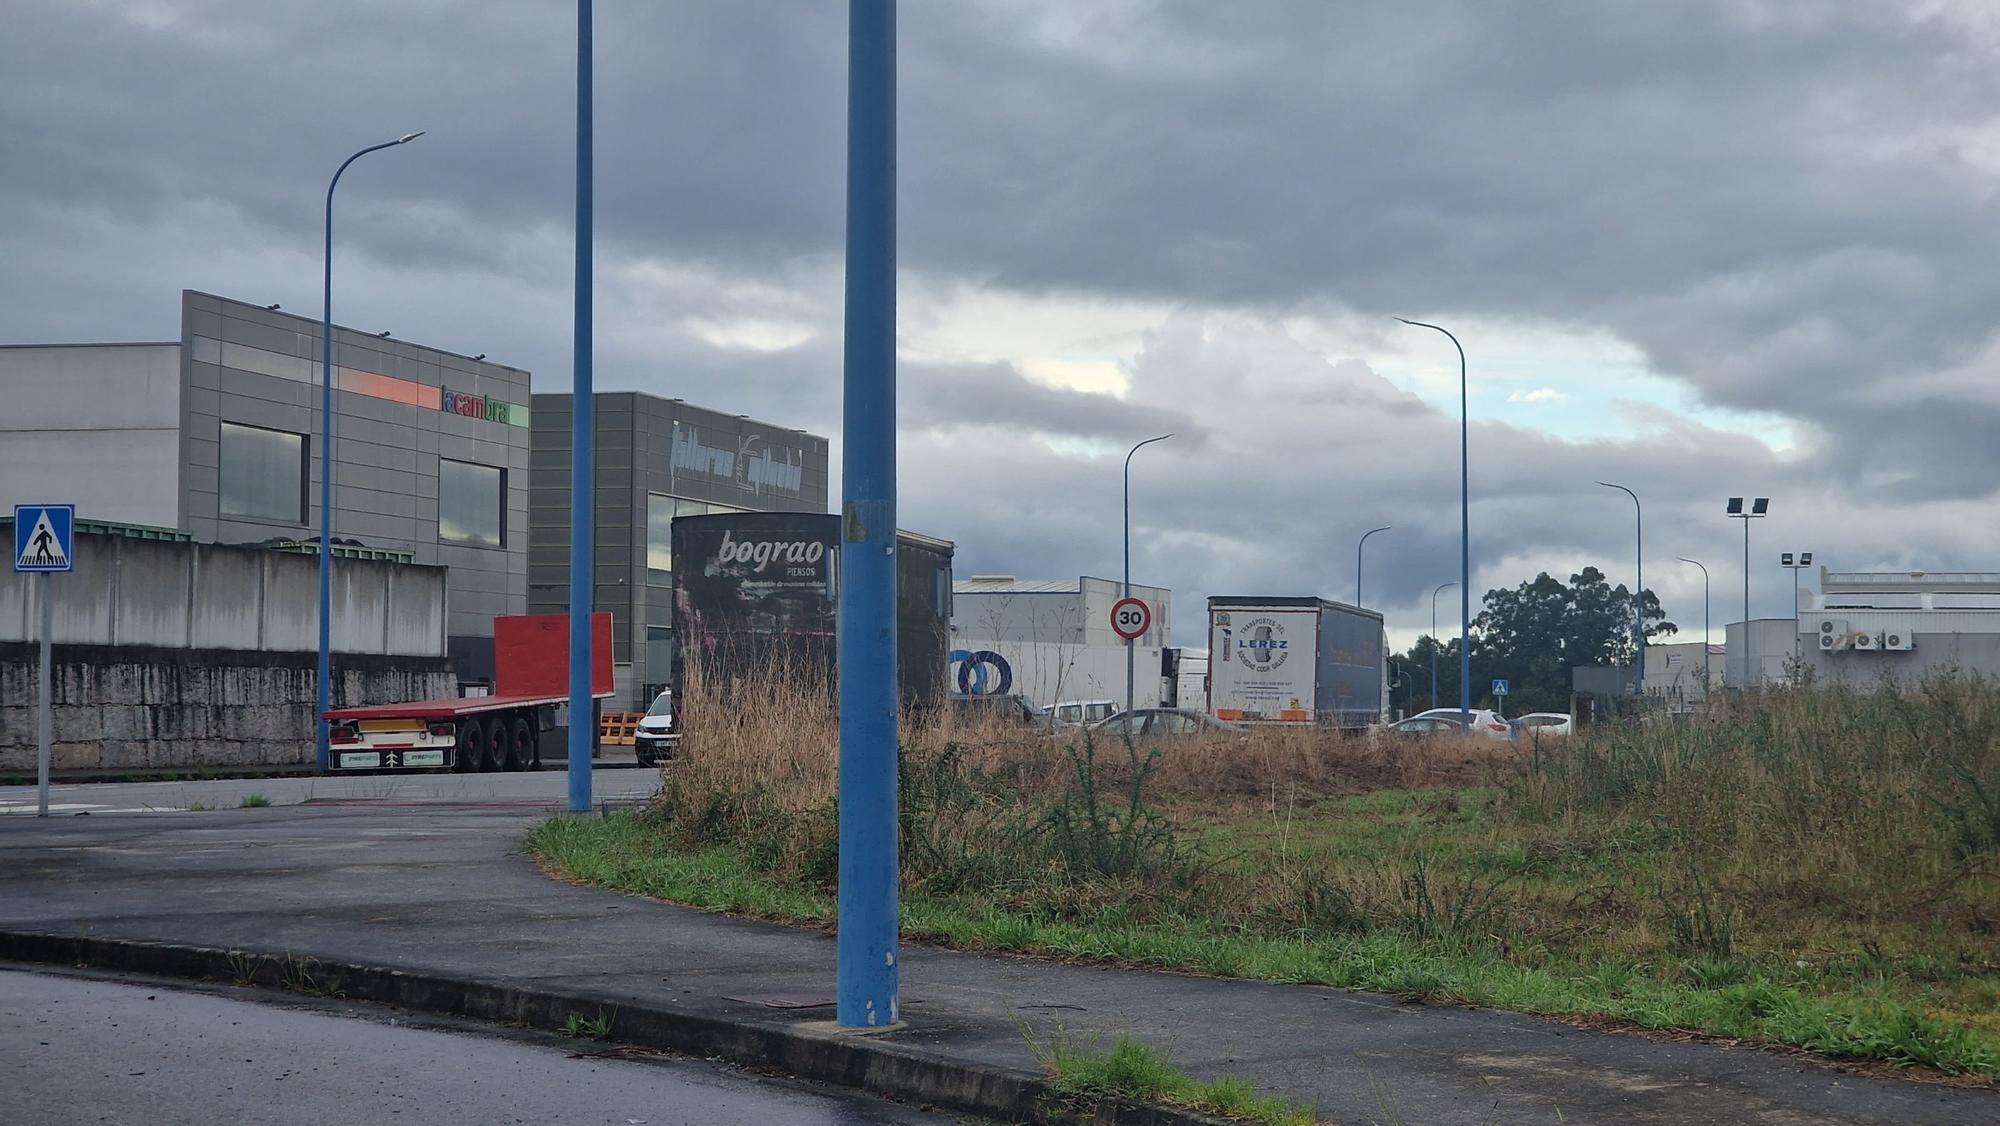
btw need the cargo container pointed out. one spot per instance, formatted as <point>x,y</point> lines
<point>1294,660</point>
<point>757,590</point>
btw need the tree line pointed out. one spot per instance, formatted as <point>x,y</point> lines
<point>1531,635</point>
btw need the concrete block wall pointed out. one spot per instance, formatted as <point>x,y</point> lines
<point>132,708</point>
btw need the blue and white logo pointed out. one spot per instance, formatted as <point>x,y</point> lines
<point>44,537</point>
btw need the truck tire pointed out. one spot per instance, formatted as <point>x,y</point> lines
<point>471,753</point>
<point>520,744</point>
<point>496,745</point>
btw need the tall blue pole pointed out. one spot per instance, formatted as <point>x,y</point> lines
<point>326,459</point>
<point>1130,652</point>
<point>1464,532</point>
<point>1434,641</point>
<point>867,984</point>
<point>582,459</point>
<point>1639,589</point>
<point>1357,559</point>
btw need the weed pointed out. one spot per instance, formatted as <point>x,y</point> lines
<point>243,967</point>
<point>1133,1070</point>
<point>197,807</point>
<point>577,1026</point>
<point>303,975</point>
<point>1701,925</point>
<point>253,801</point>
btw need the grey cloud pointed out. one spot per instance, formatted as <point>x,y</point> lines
<point>996,395</point>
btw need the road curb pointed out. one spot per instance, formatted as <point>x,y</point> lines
<point>871,1063</point>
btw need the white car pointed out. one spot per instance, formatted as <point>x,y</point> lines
<point>1543,723</point>
<point>1082,713</point>
<point>656,738</point>
<point>1485,721</point>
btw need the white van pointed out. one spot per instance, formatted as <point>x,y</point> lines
<point>1082,713</point>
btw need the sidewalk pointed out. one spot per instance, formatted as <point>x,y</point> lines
<point>444,893</point>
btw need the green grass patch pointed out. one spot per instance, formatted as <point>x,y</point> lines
<point>253,801</point>
<point>1817,1008</point>
<point>1133,1070</point>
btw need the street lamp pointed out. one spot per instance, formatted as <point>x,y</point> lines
<point>326,457</point>
<point>1357,560</point>
<point>1434,641</point>
<point>1759,509</point>
<point>1638,590</point>
<point>1464,533</point>
<point>1804,560</point>
<point>1130,652</point>
<point>1707,625</point>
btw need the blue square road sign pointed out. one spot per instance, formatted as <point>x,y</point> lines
<point>1500,688</point>
<point>44,537</point>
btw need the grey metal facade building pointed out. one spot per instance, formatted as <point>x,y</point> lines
<point>655,459</point>
<point>217,434</point>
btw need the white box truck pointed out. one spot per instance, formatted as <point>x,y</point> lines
<point>1294,660</point>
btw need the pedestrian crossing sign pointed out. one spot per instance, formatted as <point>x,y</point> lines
<point>44,537</point>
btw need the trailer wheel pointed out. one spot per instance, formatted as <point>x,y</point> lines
<point>520,746</point>
<point>471,753</point>
<point>496,746</point>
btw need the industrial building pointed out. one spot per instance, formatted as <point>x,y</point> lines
<point>216,435</point>
<point>1680,674</point>
<point>1864,628</point>
<point>655,459</point>
<point>1051,640</point>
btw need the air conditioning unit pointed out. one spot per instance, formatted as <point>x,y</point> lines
<point>1832,627</point>
<point>1828,641</point>
<point>1897,638</point>
<point>1867,641</point>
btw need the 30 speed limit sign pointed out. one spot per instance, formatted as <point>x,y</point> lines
<point>1131,618</point>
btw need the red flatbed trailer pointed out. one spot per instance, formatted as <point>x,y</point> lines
<point>478,733</point>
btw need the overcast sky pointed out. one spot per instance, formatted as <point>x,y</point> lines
<point>1698,248</point>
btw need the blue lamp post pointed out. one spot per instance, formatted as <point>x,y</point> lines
<point>1707,624</point>
<point>867,980</point>
<point>583,441</point>
<point>1434,641</point>
<point>326,457</point>
<point>1638,590</point>
<point>1357,559</point>
<point>1464,532</point>
<point>1131,654</point>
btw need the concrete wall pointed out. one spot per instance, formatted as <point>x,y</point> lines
<point>208,596</point>
<point>137,708</point>
<point>94,425</point>
<point>257,367</point>
<point>649,445</point>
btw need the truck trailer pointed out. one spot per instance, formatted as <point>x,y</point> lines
<point>1294,660</point>
<point>471,734</point>
<point>755,589</point>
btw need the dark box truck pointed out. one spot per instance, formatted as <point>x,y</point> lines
<point>756,589</point>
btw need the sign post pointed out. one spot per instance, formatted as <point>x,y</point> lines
<point>44,544</point>
<point>1130,619</point>
<point>1500,690</point>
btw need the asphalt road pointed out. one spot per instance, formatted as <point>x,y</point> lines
<point>77,1050</point>
<point>548,787</point>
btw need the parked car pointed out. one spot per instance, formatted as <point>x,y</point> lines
<point>1422,725</point>
<point>1485,721</point>
<point>1006,711</point>
<point>1081,713</point>
<point>1541,723</point>
<point>656,738</point>
<point>1163,721</point>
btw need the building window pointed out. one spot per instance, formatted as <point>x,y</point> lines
<point>660,512</point>
<point>263,474</point>
<point>472,503</point>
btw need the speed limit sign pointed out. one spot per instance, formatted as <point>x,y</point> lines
<point>1131,618</point>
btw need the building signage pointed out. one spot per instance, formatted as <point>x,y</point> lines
<point>474,406</point>
<point>753,465</point>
